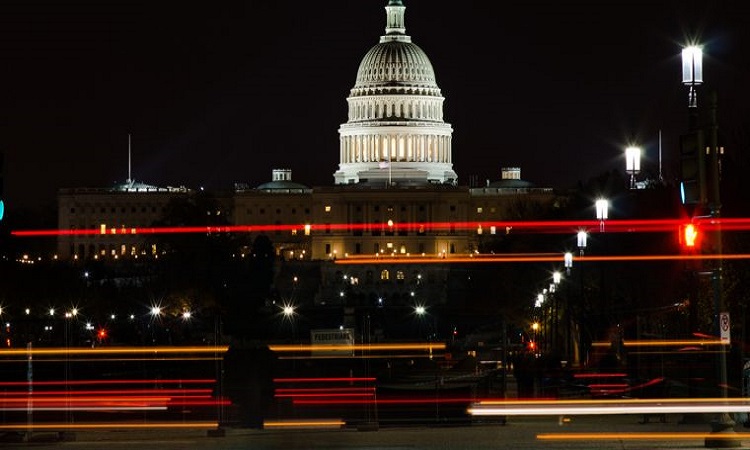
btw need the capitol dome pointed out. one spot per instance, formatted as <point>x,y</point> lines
<point>395,63</point>
<point>395,131</point>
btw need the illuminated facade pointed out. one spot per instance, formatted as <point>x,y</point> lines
<point>394,179</point>
<point>114,212</point>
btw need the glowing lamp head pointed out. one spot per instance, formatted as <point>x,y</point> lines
<point>582,236</point>
<point>692,65</point>
<point>633,159</point>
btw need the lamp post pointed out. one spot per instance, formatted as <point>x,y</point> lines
<point>581,238</point>
<point>568,260</point>
<point>602,212</point>
<point>632,163</point>
<point>692,76</point>
<point>556,278</point>
<point>692,72</point>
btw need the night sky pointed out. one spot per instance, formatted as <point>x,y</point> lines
<point>221,92</point>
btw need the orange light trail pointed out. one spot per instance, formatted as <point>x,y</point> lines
<point>322,423</point>
<point>664,343</point>
<point>357,347</point>
<point>110,350</point>
<point>644,436</point>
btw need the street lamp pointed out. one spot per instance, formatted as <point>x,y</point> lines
<point>602,212</point>
<point>581,238</point>
<point>692,71</point>
<point>632,163</point>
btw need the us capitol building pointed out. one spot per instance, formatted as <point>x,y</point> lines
<point>395,168</point>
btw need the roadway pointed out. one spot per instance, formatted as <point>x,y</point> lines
<point>584,432</point>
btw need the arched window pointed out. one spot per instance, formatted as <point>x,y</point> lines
<point>385,275</point>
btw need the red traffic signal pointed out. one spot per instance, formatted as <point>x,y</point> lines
<point>689,235</point>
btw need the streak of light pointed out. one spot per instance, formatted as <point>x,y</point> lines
<point>74,399</point>
<point>441,259</point>
<point>321,423</point>
<point>599,375</point>
<point>678,352</point>
<point>606,407</point>
<point>88,408</point>
<point>664,343</point>
<point>173,358</point>
<point>293,391</point>
<point>106,392</point>
<point>318,380</point>
<point>390,401</point>
<point>108,382</point>
<point>643,436</point>
<point>549,226</point>
<point>617,402</point>
<point>383,356</point>
<point>107,426</point>
<point>111,350</point>
<point>350,394</point>
<point>356,347</point>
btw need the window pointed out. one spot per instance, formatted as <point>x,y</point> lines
<point>453,248</point>
<point>294,210</point>
<point>357,248</point>
<point>327,208</point>
<point>328,249</point>
<point>384,275</point>
<point>72,210</point>
<point>262,210</point>
<point>479,210</point>
<point>377,247</point>
<point>278,210</point>
<point>400,276</point>
<point>453,208</point>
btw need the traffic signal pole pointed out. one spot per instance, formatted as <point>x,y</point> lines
<point>723,423</point>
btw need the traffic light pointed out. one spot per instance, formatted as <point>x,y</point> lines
<point>689,236</point>
<point>692,168</point>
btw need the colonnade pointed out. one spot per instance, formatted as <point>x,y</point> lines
<point>396,147</point>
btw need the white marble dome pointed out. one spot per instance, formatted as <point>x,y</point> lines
<point>395,132</point>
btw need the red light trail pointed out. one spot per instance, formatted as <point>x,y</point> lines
<point>501,227</point>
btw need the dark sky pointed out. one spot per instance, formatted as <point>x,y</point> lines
<point>222,92</point>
